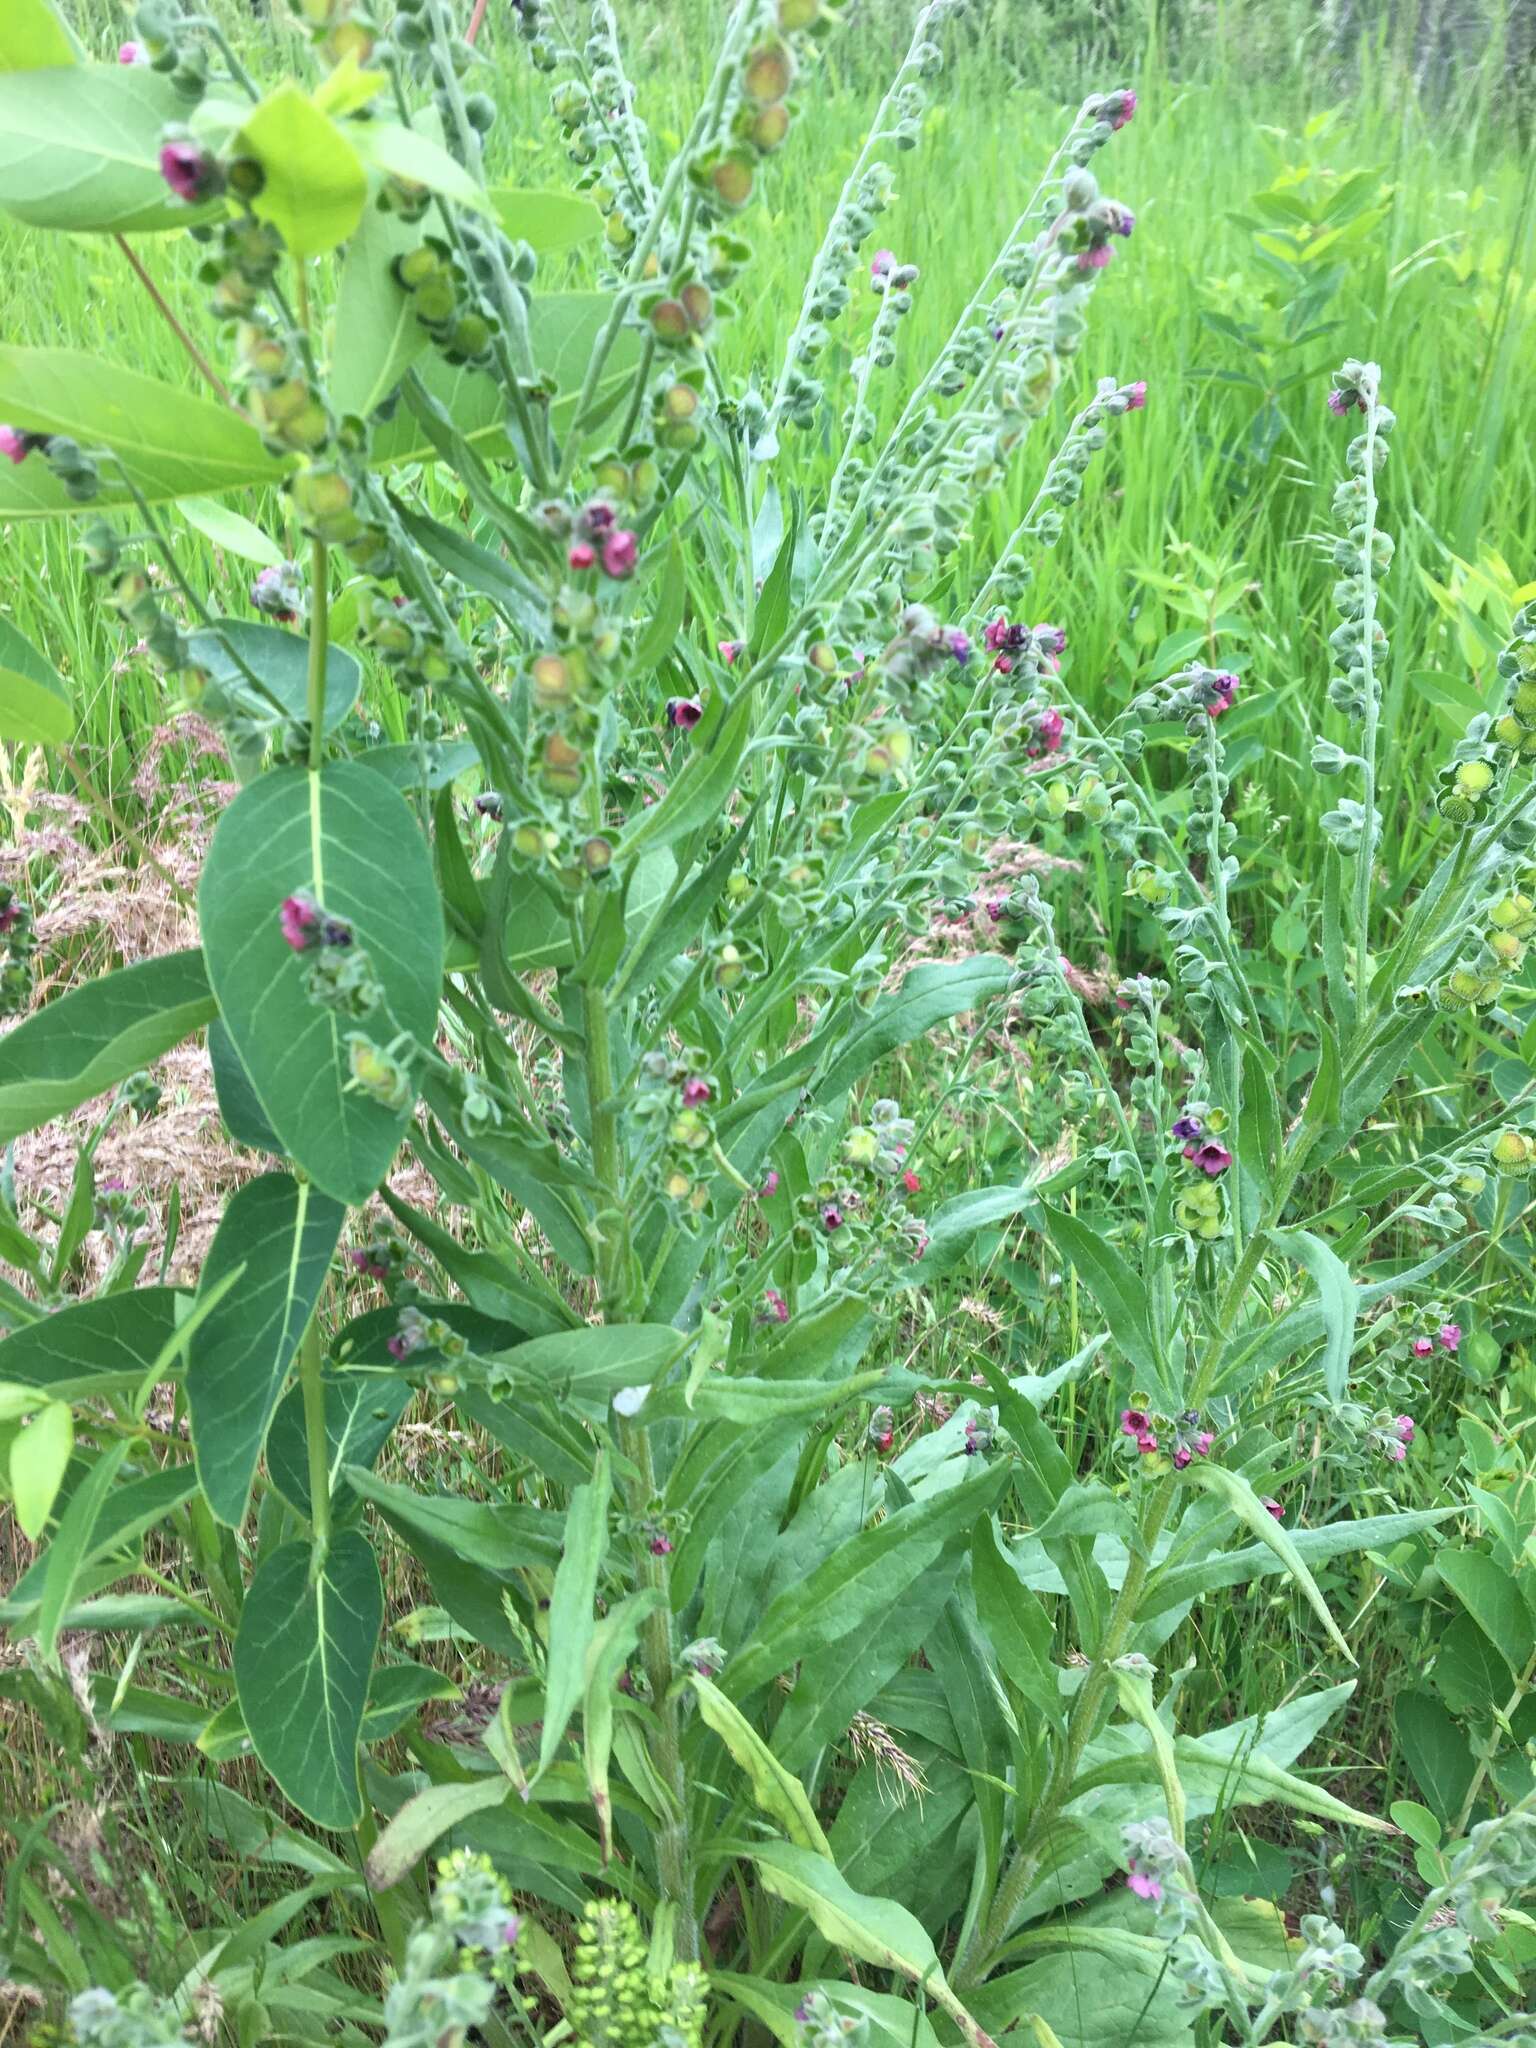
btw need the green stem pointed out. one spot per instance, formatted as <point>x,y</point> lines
<point>319,630</point>
<point>316,1442</point>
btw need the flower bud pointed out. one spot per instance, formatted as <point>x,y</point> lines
<point>768,74</point>
<point>1512,1152</point>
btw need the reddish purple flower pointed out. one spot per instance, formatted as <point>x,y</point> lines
<point>910,1182</point>
<point>770,1184</point>
<point>1049,727</point>
<point>1421,1347</point>
<point>696,1090</point>
<point>1210,1158</point>
<point>958,644</point>
<point>881,264</point>
<point>1406,1429</point>
<point>17,444</point>
<point>10,914</point>
<point>1146,1443</point>
<point>1099,257</point>
<point>191,172</point>
<point>620,553</point>
<point>1124,222</point>
<point>996,905</point>
<point>582,555</point>
<point>1188,1127</point>
<point>401,1345</point>
<point>277,591</point>
<point>1450,1336</point>
<point>998,635</point>
<point>1272,1507</point>
<point>832,1218</point>
<point>729,649</point>
<point>132,53</point>
<point>595,517</point>
<point>1135,1421</point>
<point>1203,1443</point>
<point>1125,112</point>
<point>1136,395</point>
<point>1182,1456</point>
<point>778,1307</point>
<point>1138,1881</point>
<point>301,922</point>
<point>1051,639</point>
<point>660,1545</point>
<point>684,711</point>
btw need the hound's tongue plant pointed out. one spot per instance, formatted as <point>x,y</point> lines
<point>693,707</point>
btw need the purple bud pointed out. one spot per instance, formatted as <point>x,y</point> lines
<point>18,445</point>
<point>684,711</point>
<point>1187,1128</point>
<point>191,172</point>
<point>1136,396</point>
<point>881,264</point>
<point>620,553</point>
<point>832,1217</point>
<point>299,917</point>
<point>1272,1507</point>
<point>132,53</point>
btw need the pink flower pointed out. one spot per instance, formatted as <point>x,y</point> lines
<point>696,1090</point>
<point>400,1345</point>
<point>17,444</point>
<point>770,1184</point>
<point>1406,1429</point>
<point>728,650</point>
<point>1450,1336</point>
<point>1125,112</point>
<point>1182,1456</point>
<point>132,53</point>
<point>1099,257</point>
<point>684,711</point>
<point>1133,1421</point>
<point>191,173</point>
<point>1146,1443</point>
<point>1272,1507</point>
<point>1210,1158</point>
<point>997,633</point>
<point>910,1182</point>
<point>660,1546</point>
<point>778,1307</point>
<point>582,555</point>
<point>299,917</point>
<point>1051,639</point>
<point>1421,1347</point>
<point>1143,1886</point>
<point>1203,1443</point>
<point>832,1217</point>
<point>881,264</point>
<point>1136,396</point>
<point>1049,727</point>
<point>277,591</point>
<point>1396,1452</point>
<point>620,553</point>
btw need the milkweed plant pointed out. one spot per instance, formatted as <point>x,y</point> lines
<point>820,1696</point>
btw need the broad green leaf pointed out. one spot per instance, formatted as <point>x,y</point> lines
<point>1436,1751</point>
<point>80,147</point>
<point>593,1363</point>
<point>402,766</point>
<point>314,186</point>
<point>1018,1627</point>
<point>231,531</point>
<point>1338,1298</point>
<point>863,1576</point>
<point>396,1691</point>
<point>172,442</point>
<point>1233,1490</point>
<point>244,1117</point>
<point>549,222</point>
<point>303,1653</point>
<point>571,1607</point>
<point>33,37</point>
<point>279,1234</point>
<point>85,1042</point>
<point>40,1455</point>
<point>498,1538</point>
<point>875,1930</point>
<point>35,704</point>
<point>1121,1298</point>
<point>232,650</point>
<point>777,1791</point>
<point>1098,1997</point>
<point>409,154</point>
<point>348,838</point>
<point>1494,1601</point>
<point>361,1410</point>
<point>105,1345</point>
<point>954,1227</point>
<point>375,335</point>
<point>425,1819</point>
<point>893,2022</point>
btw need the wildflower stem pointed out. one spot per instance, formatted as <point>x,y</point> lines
<point>1490,1746</point>
<point>199,361</point>
<point>1366,858</point>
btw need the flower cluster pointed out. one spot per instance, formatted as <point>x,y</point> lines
<point>1197,1133</point>
<point>1186,1434</point>
<point>1495,949</point>
<point>617,1999</point>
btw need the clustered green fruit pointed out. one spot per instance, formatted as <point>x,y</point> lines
<point>617,2000</point>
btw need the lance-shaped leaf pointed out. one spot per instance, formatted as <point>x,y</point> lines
<point>351,841</point>
<point>280,1234</point>
<point>303,1654</point>
<point>571,1618</point>
<point>34,698</point>
<point>592,1364</point>
<point>170,441</point>
<point>103,1346</point>
<point>613,1642</point>
<point>97,1035</point>
<point>1233,1490</point>
<point>424,1820</point>
<point>1338,1297</point>
<point>1121,1297</point>
<point>875,1930</point>
<point>80,145</point>
<point>777,1791</point>
<point>39,1458</point>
